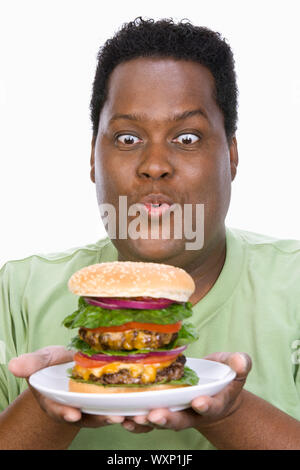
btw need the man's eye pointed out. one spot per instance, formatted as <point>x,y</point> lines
<point>128,139</point>
<point>186,139</point>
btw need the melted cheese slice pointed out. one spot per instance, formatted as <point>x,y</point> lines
<point>147,372</point>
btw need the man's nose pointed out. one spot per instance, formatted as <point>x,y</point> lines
<point>155,162</point>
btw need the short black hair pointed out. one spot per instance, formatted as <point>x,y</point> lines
<point>165,38</point>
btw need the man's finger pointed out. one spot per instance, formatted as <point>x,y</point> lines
<point>28,363</point>
<point>209,406</point>
<point>213,406</point>
<point>176,420</point>
<point>58,411</point>
<point>132,426</point>
<point>240,362</point>
<point>96,421</point>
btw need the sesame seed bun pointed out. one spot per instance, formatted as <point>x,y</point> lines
<point>132,279</point>
<point>81,387</point>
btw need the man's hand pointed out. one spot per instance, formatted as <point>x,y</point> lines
<point>26,364</point>
<point>204,410</point>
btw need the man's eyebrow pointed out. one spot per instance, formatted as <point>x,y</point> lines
<point>188,114</point>
<point>174,117</point>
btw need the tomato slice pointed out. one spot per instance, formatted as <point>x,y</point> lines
<point>87,362</point>
<point>170,328</point>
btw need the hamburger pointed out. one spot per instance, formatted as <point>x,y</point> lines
<point>131,327</point>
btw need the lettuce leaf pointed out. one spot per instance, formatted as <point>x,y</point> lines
<point>189,378</point>
<point>187,334</point>
<point>90,316</point>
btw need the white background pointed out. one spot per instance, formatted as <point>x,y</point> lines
<point>47,62</point>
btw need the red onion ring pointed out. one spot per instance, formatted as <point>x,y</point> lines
<point>135,357</point>
<point>115,304</point>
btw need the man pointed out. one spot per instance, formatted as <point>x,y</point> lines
<point>164,120</point>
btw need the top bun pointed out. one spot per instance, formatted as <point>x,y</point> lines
<point>132,279</point>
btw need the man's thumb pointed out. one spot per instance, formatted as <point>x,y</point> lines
<point>28,363</point>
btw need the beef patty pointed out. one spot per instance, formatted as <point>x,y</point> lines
<point>173,372</point>
<point>126,340</point>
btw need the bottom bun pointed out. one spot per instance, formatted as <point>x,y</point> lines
<point>81,387</point>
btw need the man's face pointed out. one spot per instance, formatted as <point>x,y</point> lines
<point>161,131</point>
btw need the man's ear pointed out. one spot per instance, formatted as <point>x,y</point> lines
<point>234,157</point>
<point>92,161</point>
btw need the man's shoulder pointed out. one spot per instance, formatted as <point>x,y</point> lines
<point>64,261</point>
<point>258,241</point>
<point>276,259</point>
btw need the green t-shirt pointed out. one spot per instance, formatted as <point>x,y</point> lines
<point>254,307</point>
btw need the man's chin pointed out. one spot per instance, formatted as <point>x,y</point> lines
<point>151,250</point>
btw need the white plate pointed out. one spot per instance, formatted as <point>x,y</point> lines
<point>53,383</point>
